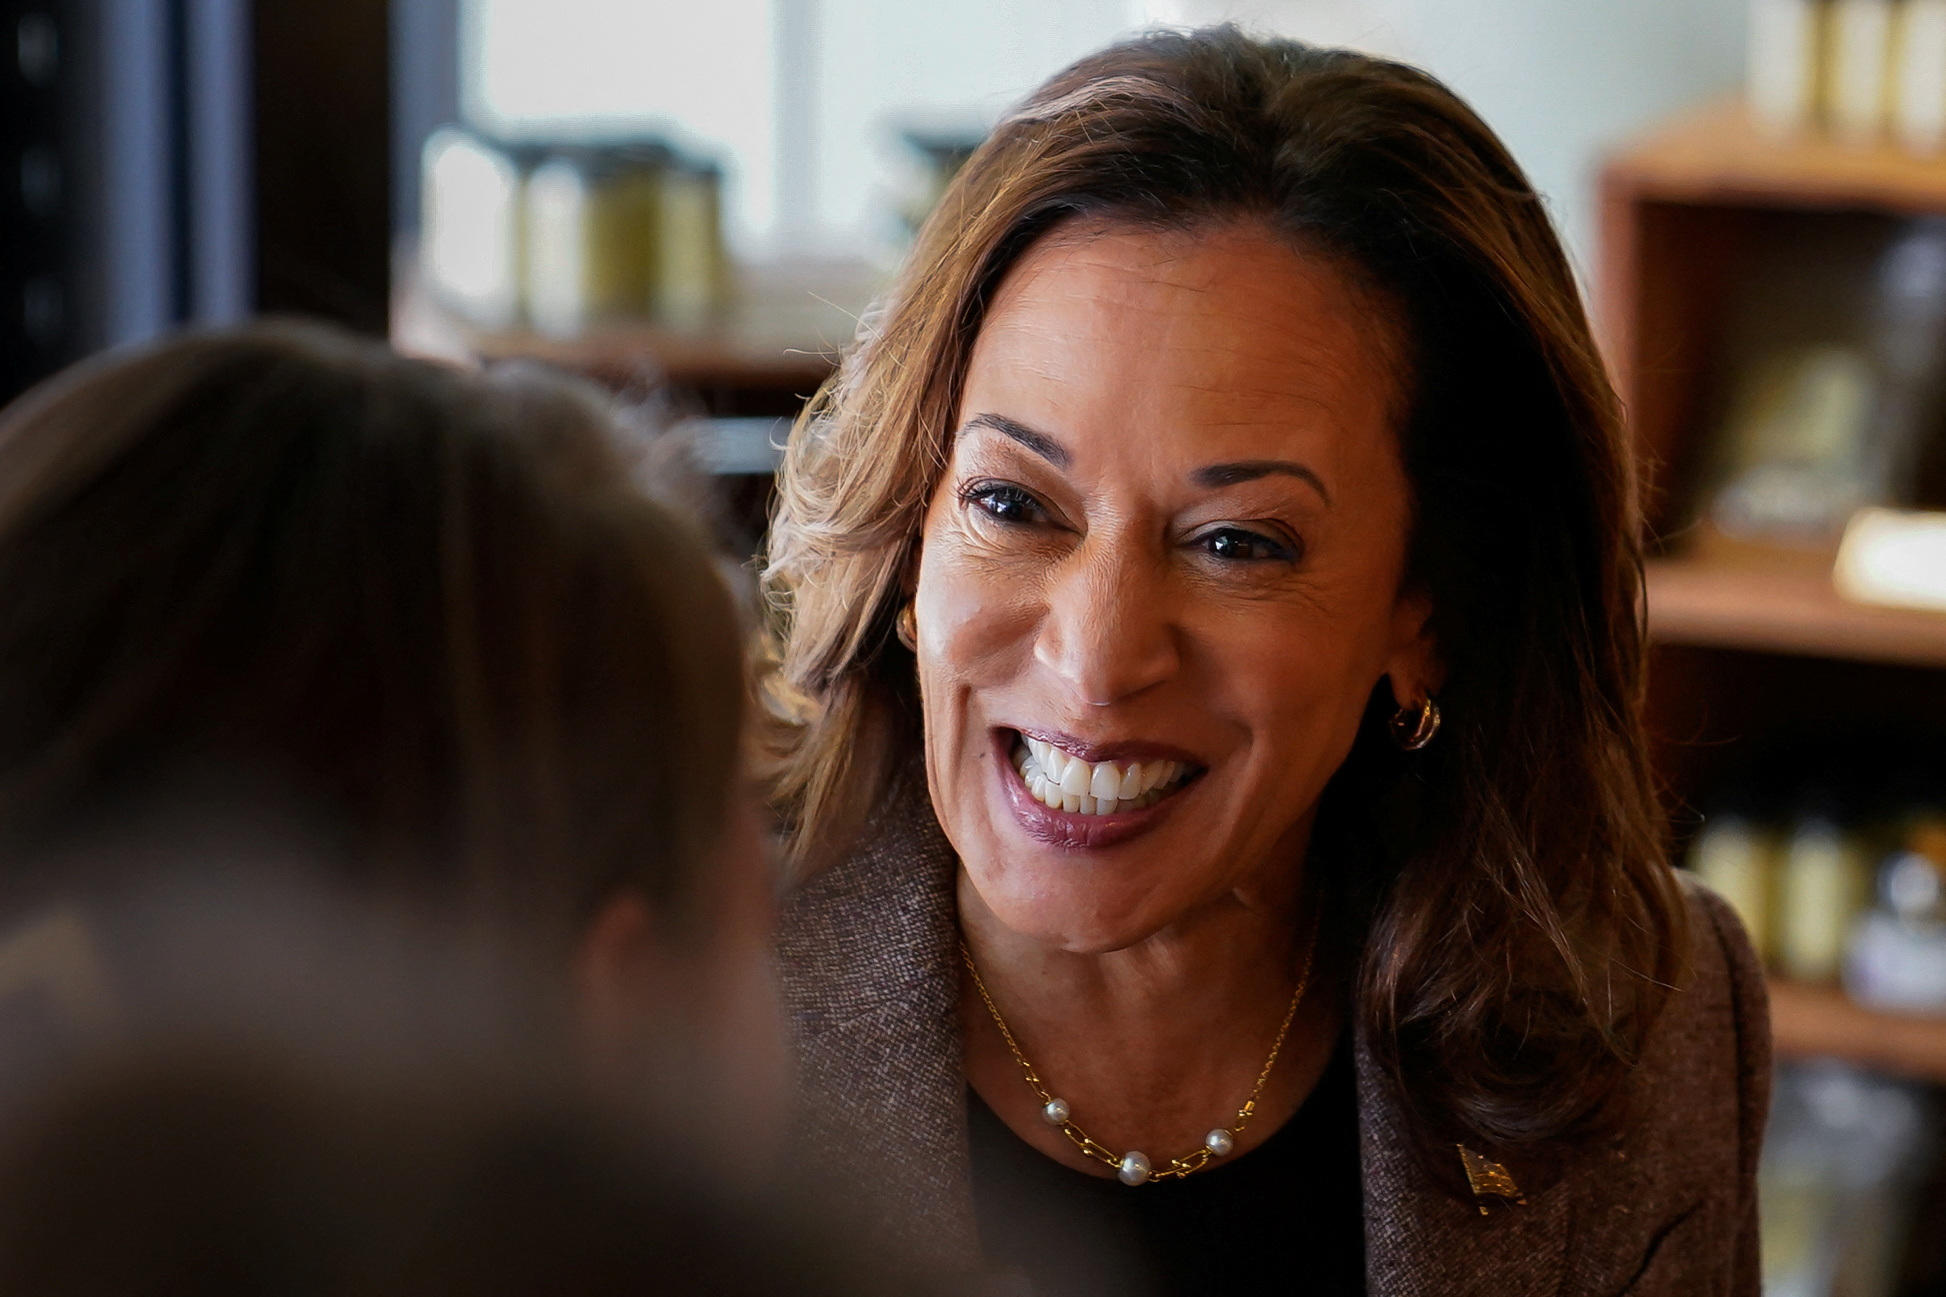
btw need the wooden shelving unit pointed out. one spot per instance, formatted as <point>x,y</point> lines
<point>1785,609</point>
<point>769,349</point>
<point>1689,212</point>
<point>1746,646</point>
<point>1820,1022</point>
<point>725,355</point>
<point>1720,158</point>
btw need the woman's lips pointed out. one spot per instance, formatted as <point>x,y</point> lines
<point>1089,750</point>
<point>1074,830</point>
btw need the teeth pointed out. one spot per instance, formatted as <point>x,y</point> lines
<point>1077,778</point>
<point>1067,783</point>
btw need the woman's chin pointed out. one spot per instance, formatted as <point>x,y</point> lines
<point>1069,914</point>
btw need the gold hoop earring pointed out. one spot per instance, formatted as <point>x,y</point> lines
<point>1414,727</point>
<point>906,627</point>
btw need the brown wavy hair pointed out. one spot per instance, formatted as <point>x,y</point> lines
<point>1516,927</point>
<point>430,617</point>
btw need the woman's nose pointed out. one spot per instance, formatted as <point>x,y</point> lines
<point>1109,629</point>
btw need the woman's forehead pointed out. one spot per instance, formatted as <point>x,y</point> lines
<point>1226,331</point>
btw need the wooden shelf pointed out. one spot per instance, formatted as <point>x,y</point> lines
<point>1720,157</point>
<point>733,354</point>
<point>1820,1022</point>
<point>730,355</point>
<point>1788,609</point>
<point>779,336</point>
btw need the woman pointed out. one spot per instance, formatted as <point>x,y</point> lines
<point>302,634</point>
<point>1211,723</point>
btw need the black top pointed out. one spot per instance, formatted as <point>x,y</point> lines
<point>1291,1209</point>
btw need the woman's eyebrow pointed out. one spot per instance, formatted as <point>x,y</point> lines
<point>1039,442</point>
<point>1214,476</point>
<point>1210,476</point>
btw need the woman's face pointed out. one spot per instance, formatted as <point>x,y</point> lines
<point>1160,577</point>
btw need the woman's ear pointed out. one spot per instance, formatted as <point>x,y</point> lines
<point>1414,665</point>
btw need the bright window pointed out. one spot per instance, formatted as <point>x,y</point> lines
<point>801,100</point>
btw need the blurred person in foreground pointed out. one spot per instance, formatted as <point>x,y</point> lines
<point>368,710</point>
<point>236,1170</point>
<point>1210,724</point>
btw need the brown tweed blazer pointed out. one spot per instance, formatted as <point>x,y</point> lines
<point>870,974</point>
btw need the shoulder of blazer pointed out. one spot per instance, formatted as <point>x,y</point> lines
<point>1671,1206</point>
<point>1665,1205</point>
<point>869,977</point>
<point>1750,1005</point>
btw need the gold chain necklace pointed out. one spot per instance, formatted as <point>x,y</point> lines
<point>1134,1167</point>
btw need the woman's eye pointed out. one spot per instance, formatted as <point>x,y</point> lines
<point>1235,545</point>
<point>1005,503</point>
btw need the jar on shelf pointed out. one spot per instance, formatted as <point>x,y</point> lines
<point>1897,958</point>
<point>592,218</point>
<point>1823,884</point>
<point>688,267</point>
<point>1735,856</point>
<point>471,240</point>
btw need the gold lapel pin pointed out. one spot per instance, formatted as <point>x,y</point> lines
<point>1489,1180</point>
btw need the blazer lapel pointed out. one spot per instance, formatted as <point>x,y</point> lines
<point>1420,1241</point>
<point>871,987</point>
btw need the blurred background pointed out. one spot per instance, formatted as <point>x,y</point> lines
<point>701,199</point>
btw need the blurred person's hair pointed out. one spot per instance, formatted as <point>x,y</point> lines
<point>1505,892</point>
<point>419,624</point>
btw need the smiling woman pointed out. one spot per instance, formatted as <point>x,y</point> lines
<point>1158,576</point>
<point>1229,515</point>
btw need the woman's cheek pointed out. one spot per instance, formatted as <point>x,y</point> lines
<point>977,615</point>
